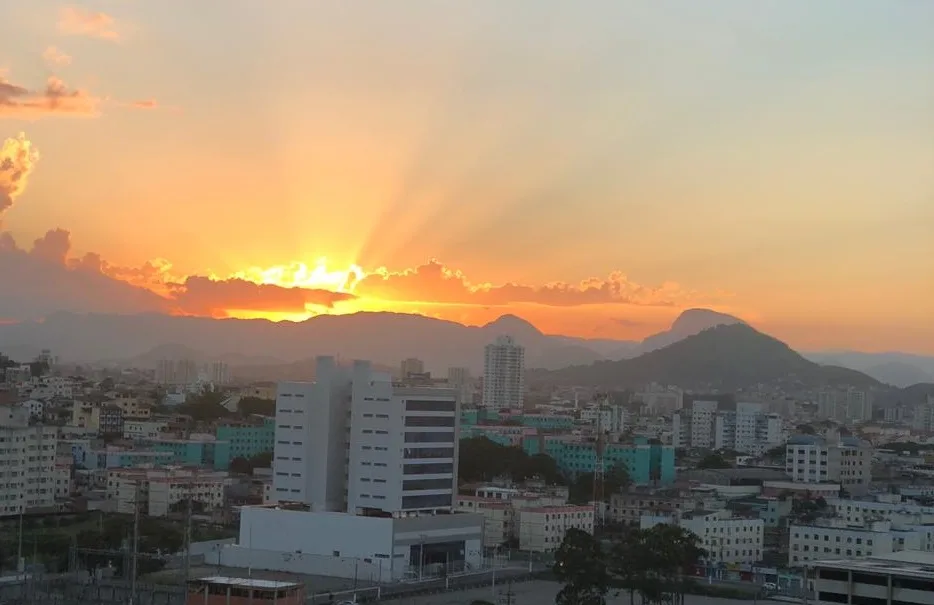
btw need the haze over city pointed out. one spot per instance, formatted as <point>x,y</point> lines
<point>595,172</point>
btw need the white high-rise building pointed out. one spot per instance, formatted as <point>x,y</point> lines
<point>504,374</point>
<point>403,445</point>
<point>27,462</point>
<point>219,373</point>
<point>309,456</point>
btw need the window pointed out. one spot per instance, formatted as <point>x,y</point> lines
<point>430,406</point>
<point>429,437</point>
<point>437,501</point>
<point>429,452</point>
<point>417,484</point>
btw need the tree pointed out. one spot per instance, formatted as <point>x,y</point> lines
<point>581,564</point>
<point>615,480</point>
<point>255,405</point>
<point>655,562</point>
<point>241,465</point>
<point>484,460</point>
<point>713,460</point>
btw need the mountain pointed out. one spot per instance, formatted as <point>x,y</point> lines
<point>897,369</point>
<point>385,338</point>
<point>689,323</point>
<point>724,357</point>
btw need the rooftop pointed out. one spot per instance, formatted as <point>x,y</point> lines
<point>248,582</point>
<point>911,563</point>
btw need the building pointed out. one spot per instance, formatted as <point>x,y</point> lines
<point>504,374</point>
<point>718,422</point>
<point>411,367</point>
<point>726,538</point>
<point>204,451</point>
<point>846,460</point>
<point>646,463</point>
<point>461,380</point>
<point>542,529</point>
<point>629,506</point>
<point>221,590</point>
<point>403,443</point>
<point>110,420</point>
<point>248,440</point>
<point>845,405</point>
<point>144,430</point>
<point>369,548</point>
<point>219,373</point>
<point>160,490</point>
<point>310,450</point>
<point>905,578</point>
<point>27,462</point>
<point>182,371</point>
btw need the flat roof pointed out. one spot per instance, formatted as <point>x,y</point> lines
<point>248,582</point>
<point>910,563</point>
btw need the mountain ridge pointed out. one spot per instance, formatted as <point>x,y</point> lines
<point>725,357</point>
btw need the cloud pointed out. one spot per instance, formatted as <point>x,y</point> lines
<point>433,282</point>
<point>56,98</point>
<point>144,104</point>
<point>18,157</point>
<point>55,58</point>
<point>76,21</point>
<point>44,283</point>
<point>200,295</point>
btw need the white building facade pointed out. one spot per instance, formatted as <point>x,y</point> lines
<point>504,374</point>
<point>813,459</point>
<point>403,445</point>
<point>27,462</point>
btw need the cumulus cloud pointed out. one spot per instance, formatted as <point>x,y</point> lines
<point>433,282</point>
<point>18,157</point>
<point>200,295</point>
<point>55,58</point>
<point>145,104</point>
<point>55,99</point>
<point>45,283</point>
<point>77,21</point>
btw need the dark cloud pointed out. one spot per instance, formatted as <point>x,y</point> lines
<point>200,295</point>
<point>55,99</point>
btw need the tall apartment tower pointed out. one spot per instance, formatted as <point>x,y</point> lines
<point>503,374</point>
<point>309,456</point>
<point>28,458</point>
<point>403,445</point>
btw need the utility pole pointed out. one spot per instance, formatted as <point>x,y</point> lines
<point>188,536</point>
<point>599,470</point>
<point>508,597</point>
<point>134,555</point>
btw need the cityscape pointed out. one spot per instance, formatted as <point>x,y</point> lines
<point>470,303</point>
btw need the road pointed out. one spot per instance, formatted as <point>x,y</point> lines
<point>538,593</point>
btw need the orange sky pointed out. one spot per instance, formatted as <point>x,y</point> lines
<point>594,171</point>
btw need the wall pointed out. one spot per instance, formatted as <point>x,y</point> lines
<point>299,563</point>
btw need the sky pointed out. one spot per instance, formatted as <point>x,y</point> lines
<point>592,167</point>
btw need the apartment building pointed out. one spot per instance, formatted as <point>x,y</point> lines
<point>499,517</point>
<point>27,462</point>
<point>866,511</point>
<point>158,490</point>
<point>721,423</point>
<point>727,539</point>
<point>403,444</point>
<point>904,578</point>
<point>142,430</point>
<point>542,529</point>
<point>814,459</point>
<point>845,405</point>
<point>629,506</point>
<point>503,374</point>
<point>133,405</point>
<point>411,367</point>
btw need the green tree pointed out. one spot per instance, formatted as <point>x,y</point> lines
<point>713,460</point>
<point>581,564</point>
<point>615,480</point>
<point>255,405</point>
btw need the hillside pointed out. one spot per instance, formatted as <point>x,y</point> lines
<point>725,357</point>
<point>385,338</point>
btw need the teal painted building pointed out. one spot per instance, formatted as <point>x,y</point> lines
<point>247,441</point>
<point>214,454</point>
<point>475,416</point>
<point>647,463</point>
<point>546,421</point>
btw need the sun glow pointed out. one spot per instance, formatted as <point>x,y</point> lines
<point>300,275</point>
